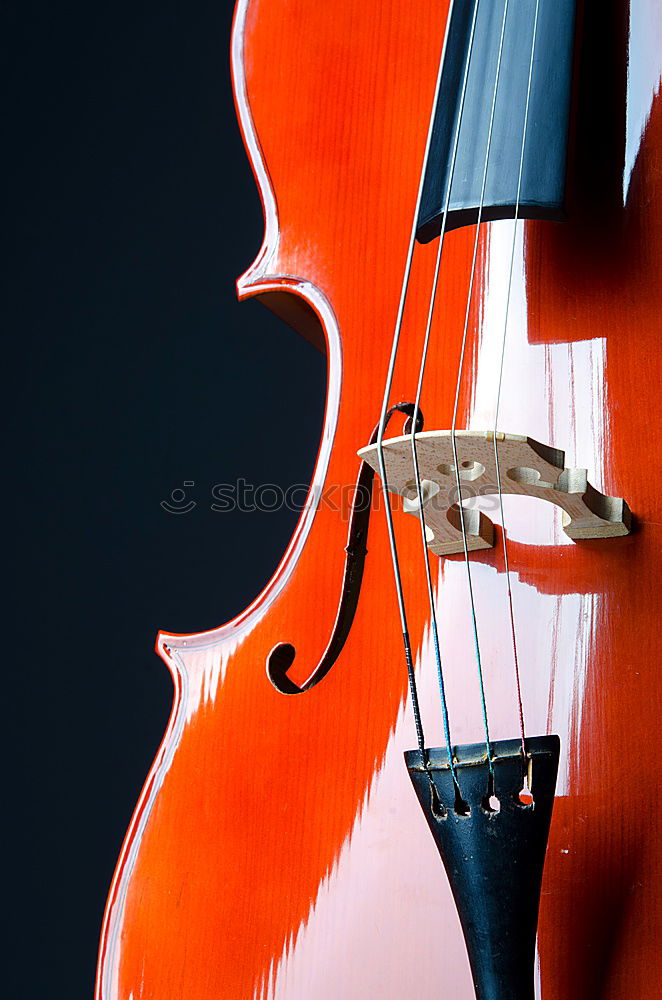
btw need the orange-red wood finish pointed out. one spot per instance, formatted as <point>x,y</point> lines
<point>277,849</point>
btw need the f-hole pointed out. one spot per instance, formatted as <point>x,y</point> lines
<point>281,657</point>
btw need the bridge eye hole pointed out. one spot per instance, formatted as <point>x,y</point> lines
<point>429,489</point>
<point>526,476</point>
<point>468,470</point>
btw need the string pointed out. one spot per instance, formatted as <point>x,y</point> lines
<point>419,390</point>
<point>382,420</point>
<point>498,402</point>
<point>456,467</point>
<point>388,386</point>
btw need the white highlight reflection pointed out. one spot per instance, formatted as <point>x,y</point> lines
<point>644,74</point>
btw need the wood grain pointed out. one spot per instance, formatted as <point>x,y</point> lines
<point>526,468</point>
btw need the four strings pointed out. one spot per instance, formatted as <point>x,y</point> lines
<point>456,467</point>
<point>504,534</point>
<point>387,391</point>
<point>419,390</point>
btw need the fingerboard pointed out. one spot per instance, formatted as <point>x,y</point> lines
<point>474,52</point>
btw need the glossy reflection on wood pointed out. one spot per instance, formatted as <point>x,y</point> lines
<point>278,849</point>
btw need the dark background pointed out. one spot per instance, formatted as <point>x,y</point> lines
<point>129,368</point>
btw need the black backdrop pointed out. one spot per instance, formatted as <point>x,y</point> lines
<point>129,369</point>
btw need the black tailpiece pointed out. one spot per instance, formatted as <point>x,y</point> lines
<point>493,859</point>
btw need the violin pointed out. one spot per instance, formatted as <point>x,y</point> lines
<point>423,762</point>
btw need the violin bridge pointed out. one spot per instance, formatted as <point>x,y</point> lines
<point>526,467</point>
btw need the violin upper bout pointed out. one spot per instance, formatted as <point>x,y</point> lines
<point>335,131</point>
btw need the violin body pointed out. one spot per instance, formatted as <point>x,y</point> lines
<point>277,850</point>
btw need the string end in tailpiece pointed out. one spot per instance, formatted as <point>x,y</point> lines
<point>493,857</point>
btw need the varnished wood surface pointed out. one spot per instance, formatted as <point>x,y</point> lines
<point>277,849</point>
